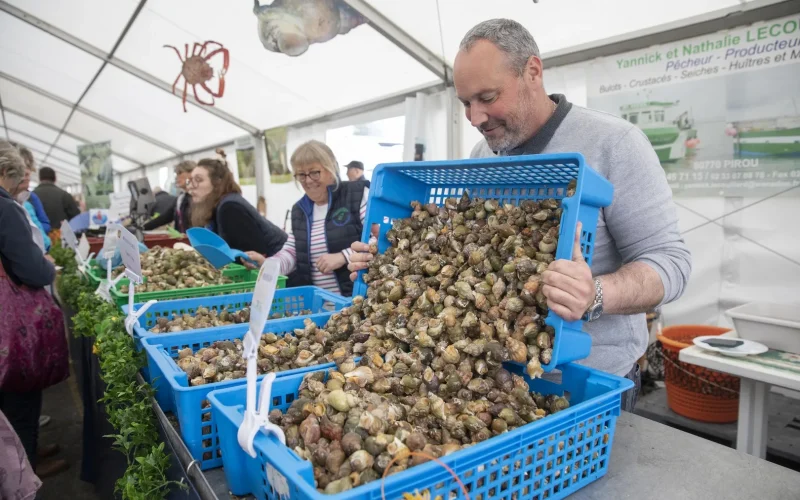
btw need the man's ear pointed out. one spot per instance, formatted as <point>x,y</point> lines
<point>534,69</point>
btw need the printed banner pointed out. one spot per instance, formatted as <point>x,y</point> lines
<point>246,160</point>
<point>97,174</point>
<point>722,111</point>
<point>276,155</point>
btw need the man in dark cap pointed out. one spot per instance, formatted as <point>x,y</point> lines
<point>355,171</point>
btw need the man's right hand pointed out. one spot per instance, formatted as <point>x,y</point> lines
<point>359,259</point>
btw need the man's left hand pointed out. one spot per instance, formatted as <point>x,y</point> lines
<point>569,285</point>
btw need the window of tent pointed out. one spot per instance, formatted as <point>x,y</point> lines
<point>163,179</point>
<point>371,143</point>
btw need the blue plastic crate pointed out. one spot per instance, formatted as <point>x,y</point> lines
<point>528,462</point>
<point>187,402</point>
<point>287,301</point>
<point>508,180</point>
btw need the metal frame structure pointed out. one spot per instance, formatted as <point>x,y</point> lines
<point>744,13</point>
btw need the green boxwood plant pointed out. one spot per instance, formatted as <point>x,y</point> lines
<point>127,402</point>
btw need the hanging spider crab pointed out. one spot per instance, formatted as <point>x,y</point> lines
<point>197,71</point>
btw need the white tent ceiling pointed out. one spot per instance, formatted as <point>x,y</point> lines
<point>94,70</point>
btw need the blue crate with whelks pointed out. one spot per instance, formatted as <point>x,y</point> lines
<point>509,180</point>
<point>287,301</point>
<point>189,403</point>
<point>550,458</point>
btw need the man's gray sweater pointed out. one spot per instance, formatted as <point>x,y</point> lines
<point>641,224</point>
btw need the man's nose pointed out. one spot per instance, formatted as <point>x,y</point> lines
<point>477,116</point>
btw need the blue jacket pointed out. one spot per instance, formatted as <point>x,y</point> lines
<point>35,218</point>
<point>23,261</point>
<point>40,213</point>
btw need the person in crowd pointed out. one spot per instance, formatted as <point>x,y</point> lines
<point>180,212</point>
<point>165,202</point>
<point>217,204</point>
<point>80,200</point>
<point>355,172</point>
<point>325,222</point>
<point>58,204</point>
<point>30,165</point>
<point>40,233</point>
<point>25,264</point>
<point>18,481</point>
<point>640,260</point>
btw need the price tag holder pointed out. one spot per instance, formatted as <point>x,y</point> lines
<point>110,240</point>
<point>68,238</point>
<point>129,250</point>
<point>256,420</point>
<point>83,248</point>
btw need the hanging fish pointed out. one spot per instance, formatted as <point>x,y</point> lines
<point>290,26</point>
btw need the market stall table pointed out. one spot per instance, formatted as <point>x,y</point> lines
<point>757,374</point>
<point>648,460</point>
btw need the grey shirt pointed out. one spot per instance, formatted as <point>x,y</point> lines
<point>640,225</point>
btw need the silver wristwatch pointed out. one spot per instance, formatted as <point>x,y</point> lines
<point>596,309</point>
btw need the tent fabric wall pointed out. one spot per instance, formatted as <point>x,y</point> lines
<point>426,124</point>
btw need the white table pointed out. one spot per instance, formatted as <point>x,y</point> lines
<point>756,380</point>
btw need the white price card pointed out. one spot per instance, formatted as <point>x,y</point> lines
<point>263,295</point>
<point>110,240</point>
<point>83,248</point>
<point>129,250</point>
<point>68,236</point>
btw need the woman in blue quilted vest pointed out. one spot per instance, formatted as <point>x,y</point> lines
<point>325,222</point>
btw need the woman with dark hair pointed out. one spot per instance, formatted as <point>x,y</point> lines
<point>217,204</point>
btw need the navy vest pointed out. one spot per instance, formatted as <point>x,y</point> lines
<point>342,227</point>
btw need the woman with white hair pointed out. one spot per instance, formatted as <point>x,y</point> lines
<point>33,351</point>
<point>325,222</point>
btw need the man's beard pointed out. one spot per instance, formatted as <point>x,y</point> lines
<point>514,134</point>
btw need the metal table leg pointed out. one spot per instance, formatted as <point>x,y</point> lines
<point>751,432</point>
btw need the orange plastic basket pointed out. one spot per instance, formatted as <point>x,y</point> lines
<point>692,391</point>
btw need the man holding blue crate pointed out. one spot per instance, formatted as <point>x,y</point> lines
<point>640,261</point>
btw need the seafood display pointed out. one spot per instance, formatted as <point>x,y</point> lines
<point>209,318</point>
<point>168,268</point>
<point>360,420</point>
<point>203,318</point>
<point>223,360</point>
<point>463,281</point>
<point>455,295</point>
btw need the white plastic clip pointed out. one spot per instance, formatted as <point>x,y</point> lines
<point>255,421</point>
<point>259,310</point>
<point>133,316</point>
<point>83,263</point>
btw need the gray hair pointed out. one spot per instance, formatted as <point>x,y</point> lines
<point>507,35</point>
<point>12,166</point>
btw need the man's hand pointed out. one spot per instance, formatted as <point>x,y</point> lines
<point>359,259</point>
<point>255,257</point>
<point>330,262</point>
<point>49,258</point>
<point>568,284</point>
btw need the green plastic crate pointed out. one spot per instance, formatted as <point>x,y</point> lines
<point>96,274</point>
<point>244,281</point>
